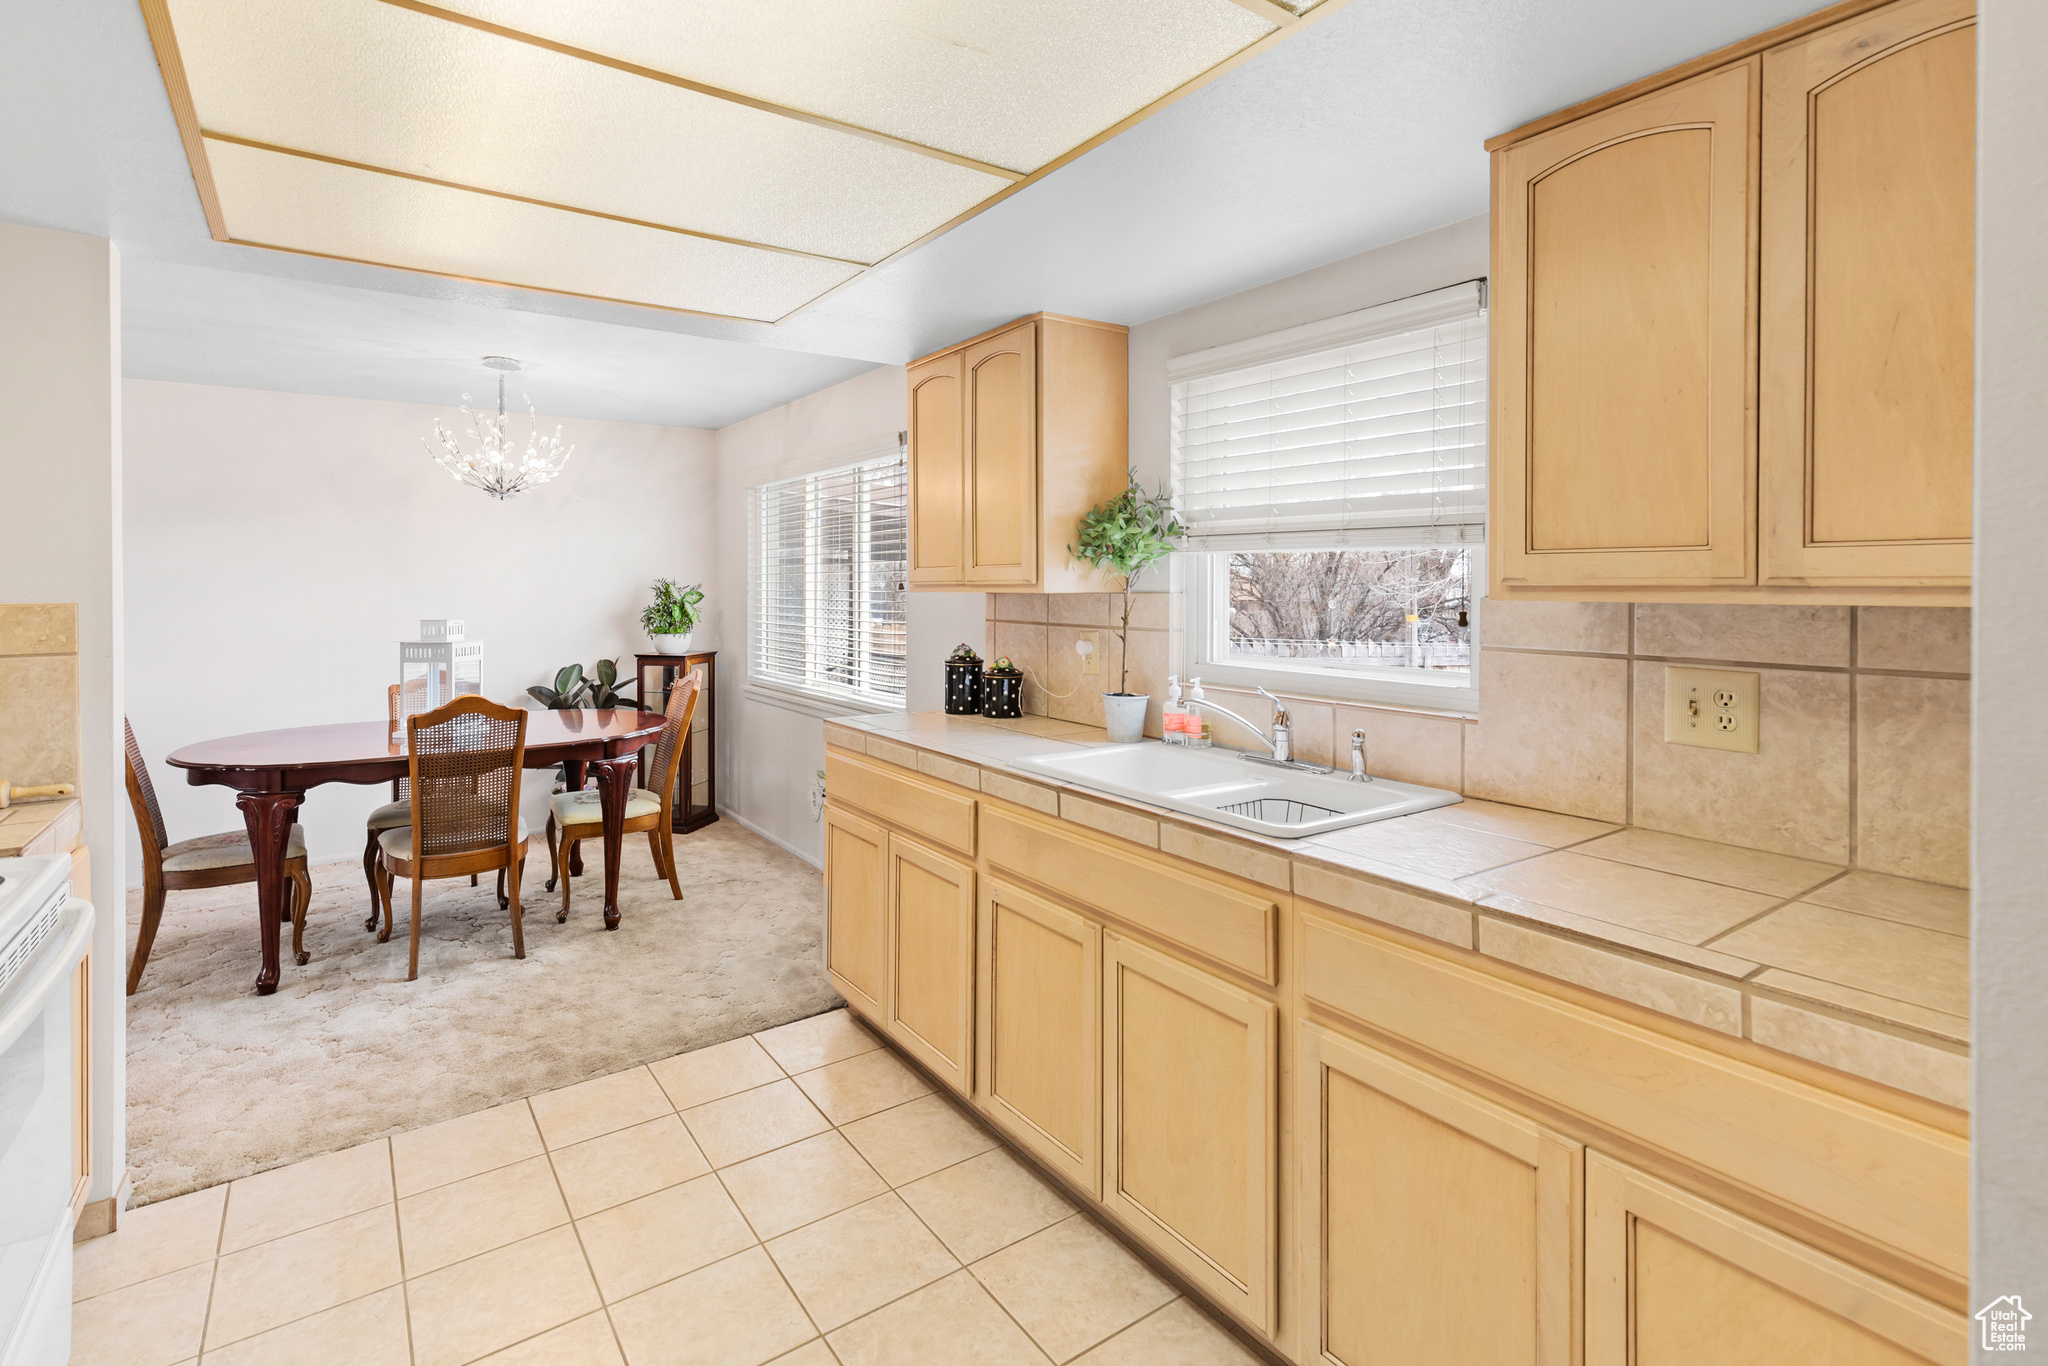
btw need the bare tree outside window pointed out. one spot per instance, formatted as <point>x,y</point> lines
<point>1353,609</point>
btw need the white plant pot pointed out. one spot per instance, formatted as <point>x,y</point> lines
<point>672,645</point>
<point>1124,716</point>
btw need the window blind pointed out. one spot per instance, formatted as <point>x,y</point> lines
<point>828,558</point>
<point>1365,430</point>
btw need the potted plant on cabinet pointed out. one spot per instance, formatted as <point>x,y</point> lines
<point>673,614</point>
<point>1126,536</point>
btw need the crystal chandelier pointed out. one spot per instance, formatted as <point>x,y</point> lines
<point>497,467</point>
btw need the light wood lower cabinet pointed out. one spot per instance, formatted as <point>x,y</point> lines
<point>931,960</point>
<point>1675,1280</point>
<point>1436,1226</point>
<point>857,909</point>
<point>1040,1001</point>
<point>1190,1123</point>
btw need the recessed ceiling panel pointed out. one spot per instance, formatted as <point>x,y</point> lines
<point>273,199</point>
<point>379,85</point>
<point>1015,83</point>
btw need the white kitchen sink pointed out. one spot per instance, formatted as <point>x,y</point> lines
<point>1231,789</point>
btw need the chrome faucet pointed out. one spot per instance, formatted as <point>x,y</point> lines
<point>1280,742</point>
<point>1358,773</point>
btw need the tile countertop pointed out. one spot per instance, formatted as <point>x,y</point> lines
<point>40,827</point>
<point>1858,971</point>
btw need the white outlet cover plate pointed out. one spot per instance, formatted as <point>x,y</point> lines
<point>1711,708</point>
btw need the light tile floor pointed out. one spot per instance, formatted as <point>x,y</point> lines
<point>799,1198</point>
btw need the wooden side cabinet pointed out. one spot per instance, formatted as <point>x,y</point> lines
<point>1869,198</point>
<point>857,909</point>
<point>1015,434</point>
<point>1040,1001</point>
<point>1732,316</point>
<point>1675,1280</point>
<point>931,960</point>
<point>1436,1226</point>
<point>1190,1108</point>
<point>697,794</point>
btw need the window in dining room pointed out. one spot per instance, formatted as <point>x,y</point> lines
<point>826,582</point>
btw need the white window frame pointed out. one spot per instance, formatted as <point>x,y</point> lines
<point>1205,623</point>
<point>1201,575</point>
<point>780,690</point>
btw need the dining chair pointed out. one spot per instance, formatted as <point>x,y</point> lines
<point>222,860</point>
<point>403,700</point>
<point>463,768</point>
<point>580,815</point>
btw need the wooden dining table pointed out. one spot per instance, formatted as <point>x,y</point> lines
<point>271,771</point>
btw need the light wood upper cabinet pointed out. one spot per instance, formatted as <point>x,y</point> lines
<point>1869,201</point>
<point>1390,1151</point>
<point>1013,436</point>
<point>1622,343</point>
<point>1675,1280</point>
<point>857,908</point>
<point>1190,1106</point>
<point>1040,1055</point>
<point>1731,318</point>
<point>938,472</point>
<point>931,960</point>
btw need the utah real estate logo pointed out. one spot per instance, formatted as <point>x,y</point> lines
<point>2005,1324</point>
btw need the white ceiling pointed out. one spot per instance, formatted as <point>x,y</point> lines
<point>1364,129</point>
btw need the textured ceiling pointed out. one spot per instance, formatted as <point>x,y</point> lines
<point>1362,130</point>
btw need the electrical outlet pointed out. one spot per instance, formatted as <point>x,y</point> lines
<point>1711,708</point>
<point>1089,646</point>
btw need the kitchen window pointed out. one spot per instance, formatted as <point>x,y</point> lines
<point>1332,479</point>
<point>826,558</point>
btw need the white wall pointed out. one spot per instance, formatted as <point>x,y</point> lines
<point>60,471</point>
<point>770,749</point>
<point>280,545</point>
<point>2009,762</point>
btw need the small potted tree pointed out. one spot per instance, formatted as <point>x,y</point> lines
<point>1126,536</point>
<point>673,614</point>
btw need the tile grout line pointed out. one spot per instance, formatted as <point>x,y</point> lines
<point>398,1231</point>
<point>576,1229</point>
<point>213,1271</point>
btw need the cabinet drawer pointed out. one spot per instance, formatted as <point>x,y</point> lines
<point>1861,1169</point>
<point>923,808</point>
<point>1204,916</point>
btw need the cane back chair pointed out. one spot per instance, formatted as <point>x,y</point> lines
<point>464,764</point>
<point>580,816</point>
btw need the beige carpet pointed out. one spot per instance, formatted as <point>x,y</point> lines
<point>223,1083</point>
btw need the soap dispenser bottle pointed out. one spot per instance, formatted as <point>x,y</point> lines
<point>1171,716</point>
<point>1198,732</point>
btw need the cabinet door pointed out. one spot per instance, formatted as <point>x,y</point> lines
<point>1869,192</point>
<point>1436,1225</point>
<point>1624,344</point>
<point>1674,1280</point>
<point>1190,1113</point>
<point>857,909</point>
<point>938,471</point>
<point>1040,1046</point>
<point>1002,457</point>
<point>931,960</point>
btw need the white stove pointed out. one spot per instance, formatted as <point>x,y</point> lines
<point>44,931</point>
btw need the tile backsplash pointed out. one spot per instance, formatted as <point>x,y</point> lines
<point>1864,719</point>
<point>39,736</point>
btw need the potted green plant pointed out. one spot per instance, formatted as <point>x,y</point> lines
<point>673,614</point>
<point>1126,536</point>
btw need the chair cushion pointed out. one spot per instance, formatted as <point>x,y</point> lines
<point>583,808</point>
<point>227,850</point>
<point>398,843</point>
<point>391,815</point>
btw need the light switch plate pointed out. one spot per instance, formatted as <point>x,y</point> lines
<point>1711,708</point>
